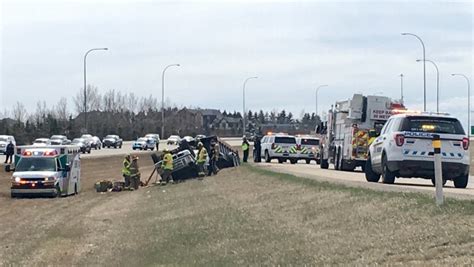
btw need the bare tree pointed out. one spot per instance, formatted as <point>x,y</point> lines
<point>60,109</point>
<point>19,112</point>
<point>93,99</point>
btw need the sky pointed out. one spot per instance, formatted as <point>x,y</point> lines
<point>292,46</point>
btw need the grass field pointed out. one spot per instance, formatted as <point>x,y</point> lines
<point>250,216</point>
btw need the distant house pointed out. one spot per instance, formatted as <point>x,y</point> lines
<point>227,126</point>
<point>207,116</point>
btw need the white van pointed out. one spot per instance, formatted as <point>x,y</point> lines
<point>47,170</point>
<point>4,141</point>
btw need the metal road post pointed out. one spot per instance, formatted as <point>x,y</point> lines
<point>243,95</point>
<point>424,67</point>
<point>438,170</point>
<point>468,102</point>
<point>85,84</point>
<point>163,99</point>
<point>317,90</point>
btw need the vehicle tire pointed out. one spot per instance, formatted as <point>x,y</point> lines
<point>88,152</point>
<point>108,146</point>
<point>337,159</point>
<point>324,164</point>
<point>115,146</point>
<point>120,146</point>
<point>433,181</point>
<point>388,177</point>
<point>75,189</point>
<point>318,161</point>
<point>267,157</point>
<point>95,147</point>
<point>152,148</point>
<point>280,161</point>
<point>293,161</point>
<point>348,167</point>
<point>370,175</point>
<point>461,181</point>
<point>58,192</point>
<point>308,161</point>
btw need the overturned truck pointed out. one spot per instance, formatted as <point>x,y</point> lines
<point>184,159</point>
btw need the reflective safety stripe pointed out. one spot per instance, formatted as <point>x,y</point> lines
<point>279,149</point>
<point>126,167</point>
<point>168,162</point>
<point>293,150</point>
<point>202,155</point>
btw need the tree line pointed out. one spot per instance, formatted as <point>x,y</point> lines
<point>127,115</point>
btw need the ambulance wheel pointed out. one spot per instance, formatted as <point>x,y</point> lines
<point>433,181</point>
<point>88,152</point>
<point>58,192</point>
<point>308,161</point>
<point>293,161</point>
<point>461,181</point>
<point>280,161</point>
<point>267,157</point>
<point>120,146</point>
<point>318,161</point>
<point>370,175</point>
<point>388,177</point>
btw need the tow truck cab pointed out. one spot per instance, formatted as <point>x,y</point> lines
<point>49,170</point>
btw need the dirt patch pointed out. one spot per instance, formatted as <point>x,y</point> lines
<point>239,217</point>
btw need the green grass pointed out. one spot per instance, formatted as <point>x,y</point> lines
<point>423,200</point>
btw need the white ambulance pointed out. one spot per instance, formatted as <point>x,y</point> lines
<point>48,170</point>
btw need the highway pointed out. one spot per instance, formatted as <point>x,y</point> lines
<point>357,179</point>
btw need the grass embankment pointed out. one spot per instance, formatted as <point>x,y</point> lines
<point>253,216</point>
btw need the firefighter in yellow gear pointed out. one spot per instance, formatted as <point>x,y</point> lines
<point>245,148</point>
<point>126,170</point>
<point>201,159</point>
<point>134,174</point>
<point>167,167</point>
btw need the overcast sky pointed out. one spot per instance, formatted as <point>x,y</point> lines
<point>353,46</point>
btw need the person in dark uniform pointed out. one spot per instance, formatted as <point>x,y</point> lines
<point>9,152</point>
<point>257,149</point>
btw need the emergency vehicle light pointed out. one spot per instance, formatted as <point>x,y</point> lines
<point>50,153</point>
<point>27,153</point>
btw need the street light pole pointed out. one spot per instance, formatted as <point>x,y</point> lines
<point>243,100</point>
<point>424,67</point>
<point>85,83</point>
<point>468,102</point>
<point>317,90</point>
<point>437,82</point>
<point>401,88</point>
<point>163,99</point>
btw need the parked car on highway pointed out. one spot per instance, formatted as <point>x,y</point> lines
<point>404,149</point>
<point>112,140</point>
<point>59,140</point>
<point>156,137</point>
<point>173,140</point>
<point>144,143</point>
<point>4,141</point>
<point>82,144</point>
<point>96,143</point>
<point>41,142</point>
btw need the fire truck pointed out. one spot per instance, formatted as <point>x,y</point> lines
<point>47,170</point>
<point>350,127</point>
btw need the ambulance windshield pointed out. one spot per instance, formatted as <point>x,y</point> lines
<point>36,165</point>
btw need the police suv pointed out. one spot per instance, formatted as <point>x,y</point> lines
<point>279,146</point>
<point>404,149</point>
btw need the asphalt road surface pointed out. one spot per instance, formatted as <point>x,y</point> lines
<point>357,178</point>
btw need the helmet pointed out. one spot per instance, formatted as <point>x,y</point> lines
<point>200,144</point>
<point>135,157</point>
<point>166,150</point>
